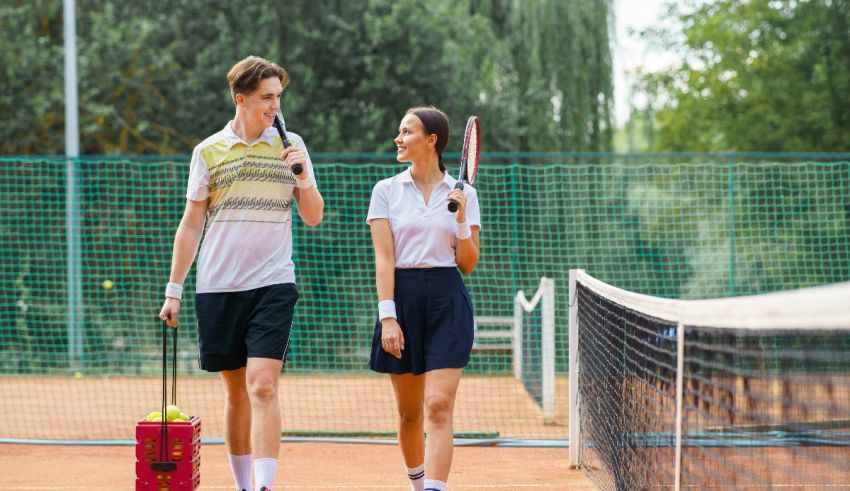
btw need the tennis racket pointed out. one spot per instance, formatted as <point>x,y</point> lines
<point>468,156</point>
<point>280,126</point>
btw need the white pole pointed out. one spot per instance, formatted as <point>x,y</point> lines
<point>680,377</point>
<point>575,444</point>
<point>517,335</point>
<point>72,112</point>
<point>72,206</point>
<point>548,347</point>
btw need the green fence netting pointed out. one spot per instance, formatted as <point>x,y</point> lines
<point>85,366</point>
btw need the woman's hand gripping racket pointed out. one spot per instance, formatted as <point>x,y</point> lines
<point>280,126</point>
<point>468,156</point>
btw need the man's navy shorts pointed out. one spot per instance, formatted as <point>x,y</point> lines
<point>235,326</point>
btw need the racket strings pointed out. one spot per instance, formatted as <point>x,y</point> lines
<point>471,150</point>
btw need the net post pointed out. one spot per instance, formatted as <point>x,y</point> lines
<point>680,376</point>
<point>516,332</point>
<point>574,418</point>
<point>547,285</point>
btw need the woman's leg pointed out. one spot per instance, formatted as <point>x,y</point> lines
<point>440,390</point>
<point>409,396</point>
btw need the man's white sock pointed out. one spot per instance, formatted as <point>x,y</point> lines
<point>264,471</point>
<point>240,465</point>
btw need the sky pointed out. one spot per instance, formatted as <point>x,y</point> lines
<point>630,52</point>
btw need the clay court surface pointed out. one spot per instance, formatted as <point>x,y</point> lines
<point>94,408</point>
<point>62,408</point>
<point>313,466</point>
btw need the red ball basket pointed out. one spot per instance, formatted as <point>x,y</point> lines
<point>168,455</point>
<point>183,448</point>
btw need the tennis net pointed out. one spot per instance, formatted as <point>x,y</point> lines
<point>711,394</point>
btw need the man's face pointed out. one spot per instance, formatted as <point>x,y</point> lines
<point>260,107</point>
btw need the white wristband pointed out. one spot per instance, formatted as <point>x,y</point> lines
<point>386,308</point>
<point>305,183</point>
<point>463,231</point>
<point>173,290</point>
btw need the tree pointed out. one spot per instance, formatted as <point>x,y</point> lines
<point>561,52</point>
<point>152,80</point>
<point>756,75</point>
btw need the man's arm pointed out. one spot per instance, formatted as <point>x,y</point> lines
<point>186,242</point>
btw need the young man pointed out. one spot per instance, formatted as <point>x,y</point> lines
<point>242,186</point>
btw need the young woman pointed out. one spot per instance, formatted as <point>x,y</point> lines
<point>423,336</point>
<point>242,187</point>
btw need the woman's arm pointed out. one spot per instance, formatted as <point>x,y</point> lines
<point>466,253</point>
<point>392,339</point>
<point>467,248</point>
<point>382,240</point>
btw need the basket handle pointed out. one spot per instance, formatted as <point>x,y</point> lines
<point>163,465</point>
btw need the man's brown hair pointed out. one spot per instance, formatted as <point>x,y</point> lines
<point>247,74</point>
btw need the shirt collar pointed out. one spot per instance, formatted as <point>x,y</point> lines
<point>231,138</point>
<point>407,176</point>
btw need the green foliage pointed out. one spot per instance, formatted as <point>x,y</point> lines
<point>756,75</point>
<point>31,71</point>
<point>152,79</point>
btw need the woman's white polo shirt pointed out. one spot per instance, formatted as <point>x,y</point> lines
<point>423,234</point>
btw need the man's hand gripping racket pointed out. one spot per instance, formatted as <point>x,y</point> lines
<point>280,126</point>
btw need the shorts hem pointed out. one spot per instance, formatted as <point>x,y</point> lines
<point>272,356</point>
<point>219,367</point>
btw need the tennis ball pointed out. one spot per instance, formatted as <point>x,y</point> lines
<point>184,416</point>
<point>152,415</point>
<point>78,374</point>
<point>172,412</point>
<point>107,285</point>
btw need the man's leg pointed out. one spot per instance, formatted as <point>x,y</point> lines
<point>262,379</point>
<point>237,426</point>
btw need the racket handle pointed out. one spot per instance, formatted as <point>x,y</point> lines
<point>297,169</point>
<point>280,131</point>
<point>453,203</point>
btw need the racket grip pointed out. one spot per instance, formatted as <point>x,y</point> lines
<point>297,169</point>
<point>280,131</point>
<point>453,203</point>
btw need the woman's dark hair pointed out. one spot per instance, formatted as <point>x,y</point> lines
<point>436,123</point>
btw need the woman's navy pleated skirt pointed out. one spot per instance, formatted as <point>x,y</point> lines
<point>435,314</point>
